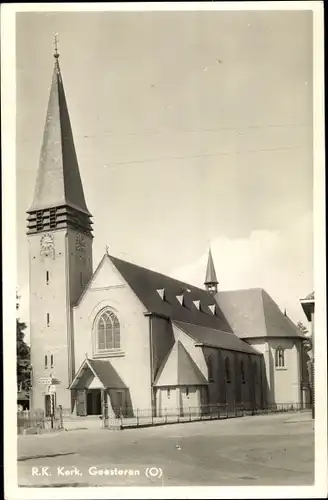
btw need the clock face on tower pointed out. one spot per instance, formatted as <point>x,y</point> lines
<point>47,242</point>
<point>80,243</point>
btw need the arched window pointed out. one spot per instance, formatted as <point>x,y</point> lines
<point>227,370</point>
<point>108,331</point>
<point>242,372</point>
<point>280,357</point>
<point>210,368</point>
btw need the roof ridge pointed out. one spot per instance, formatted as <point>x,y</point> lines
<point>112,257</point>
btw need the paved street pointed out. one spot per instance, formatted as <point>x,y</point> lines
<point>260,450</point>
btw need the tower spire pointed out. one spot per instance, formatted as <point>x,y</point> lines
<point>211,281</point>
<point>56,53</point>
<point>58,185</point>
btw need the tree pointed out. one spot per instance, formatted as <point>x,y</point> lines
<point>309,359</point>
<point>23,366</point>
<point>308,339</point>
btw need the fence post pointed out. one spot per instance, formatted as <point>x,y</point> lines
<point>61,423</point>
<point>137,412</point>
<point>152,415</point>
<point>165,414</point>
<point>121,417</point>
<point>189,414</point>
<point>178,414</point>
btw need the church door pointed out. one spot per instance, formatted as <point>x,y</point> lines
<point>81,404</point>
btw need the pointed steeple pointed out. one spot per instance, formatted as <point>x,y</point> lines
<point>211,281</point>
<point>58,186</point>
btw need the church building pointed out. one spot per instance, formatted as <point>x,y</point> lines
<point>125,337</point>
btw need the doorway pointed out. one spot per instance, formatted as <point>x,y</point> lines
<point>94,402</point>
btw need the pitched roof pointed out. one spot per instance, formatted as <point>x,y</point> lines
<point>308,305</point>
<point>58,180</point>
<point>178,368</point>
<point>146,283</point>
<point>215,338</point>
<point>253,313</point>
<point>102,369</point>
<point>309,297</point>
<point>210,277</point>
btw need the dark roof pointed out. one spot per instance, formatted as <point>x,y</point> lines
<point>178,368</point>
<point>58,180</point>
<point>105,372</point>
<point>145,284</point>
<point>215,338</point>
<point>253,313</point>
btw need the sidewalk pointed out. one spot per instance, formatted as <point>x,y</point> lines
<point>301,416</point>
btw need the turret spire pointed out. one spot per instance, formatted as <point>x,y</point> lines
<point>211,281</point>
<point>58,186</point>
<point>56,53</point>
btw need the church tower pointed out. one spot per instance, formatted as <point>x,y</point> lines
<point>60,254</point>
<point>211,281</point>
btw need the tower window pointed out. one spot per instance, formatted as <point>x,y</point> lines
<point>46,361</point>
<point>187,392</point>
<point>48,319</point>
<point>280,357</point>
<point>52,361</point>
<point>47,277</point>
<point>39,220</point>
<point>168,393</point>
<point>53,221</point>
<point>108,332</point>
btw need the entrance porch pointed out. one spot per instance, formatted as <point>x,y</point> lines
<point>99,390</point>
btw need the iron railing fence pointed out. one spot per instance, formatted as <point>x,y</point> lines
<point>36,421</point>
<point>135,417</point>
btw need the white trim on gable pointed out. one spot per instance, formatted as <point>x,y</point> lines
<point>96,384</point>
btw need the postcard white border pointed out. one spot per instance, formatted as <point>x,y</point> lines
<point>8,103</point>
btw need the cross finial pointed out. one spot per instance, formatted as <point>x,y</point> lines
<point>56,54</point>
<point>107,249</point>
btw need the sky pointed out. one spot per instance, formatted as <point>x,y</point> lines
<point>191,129</point>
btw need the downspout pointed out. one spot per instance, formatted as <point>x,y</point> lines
<point>151,361</point>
